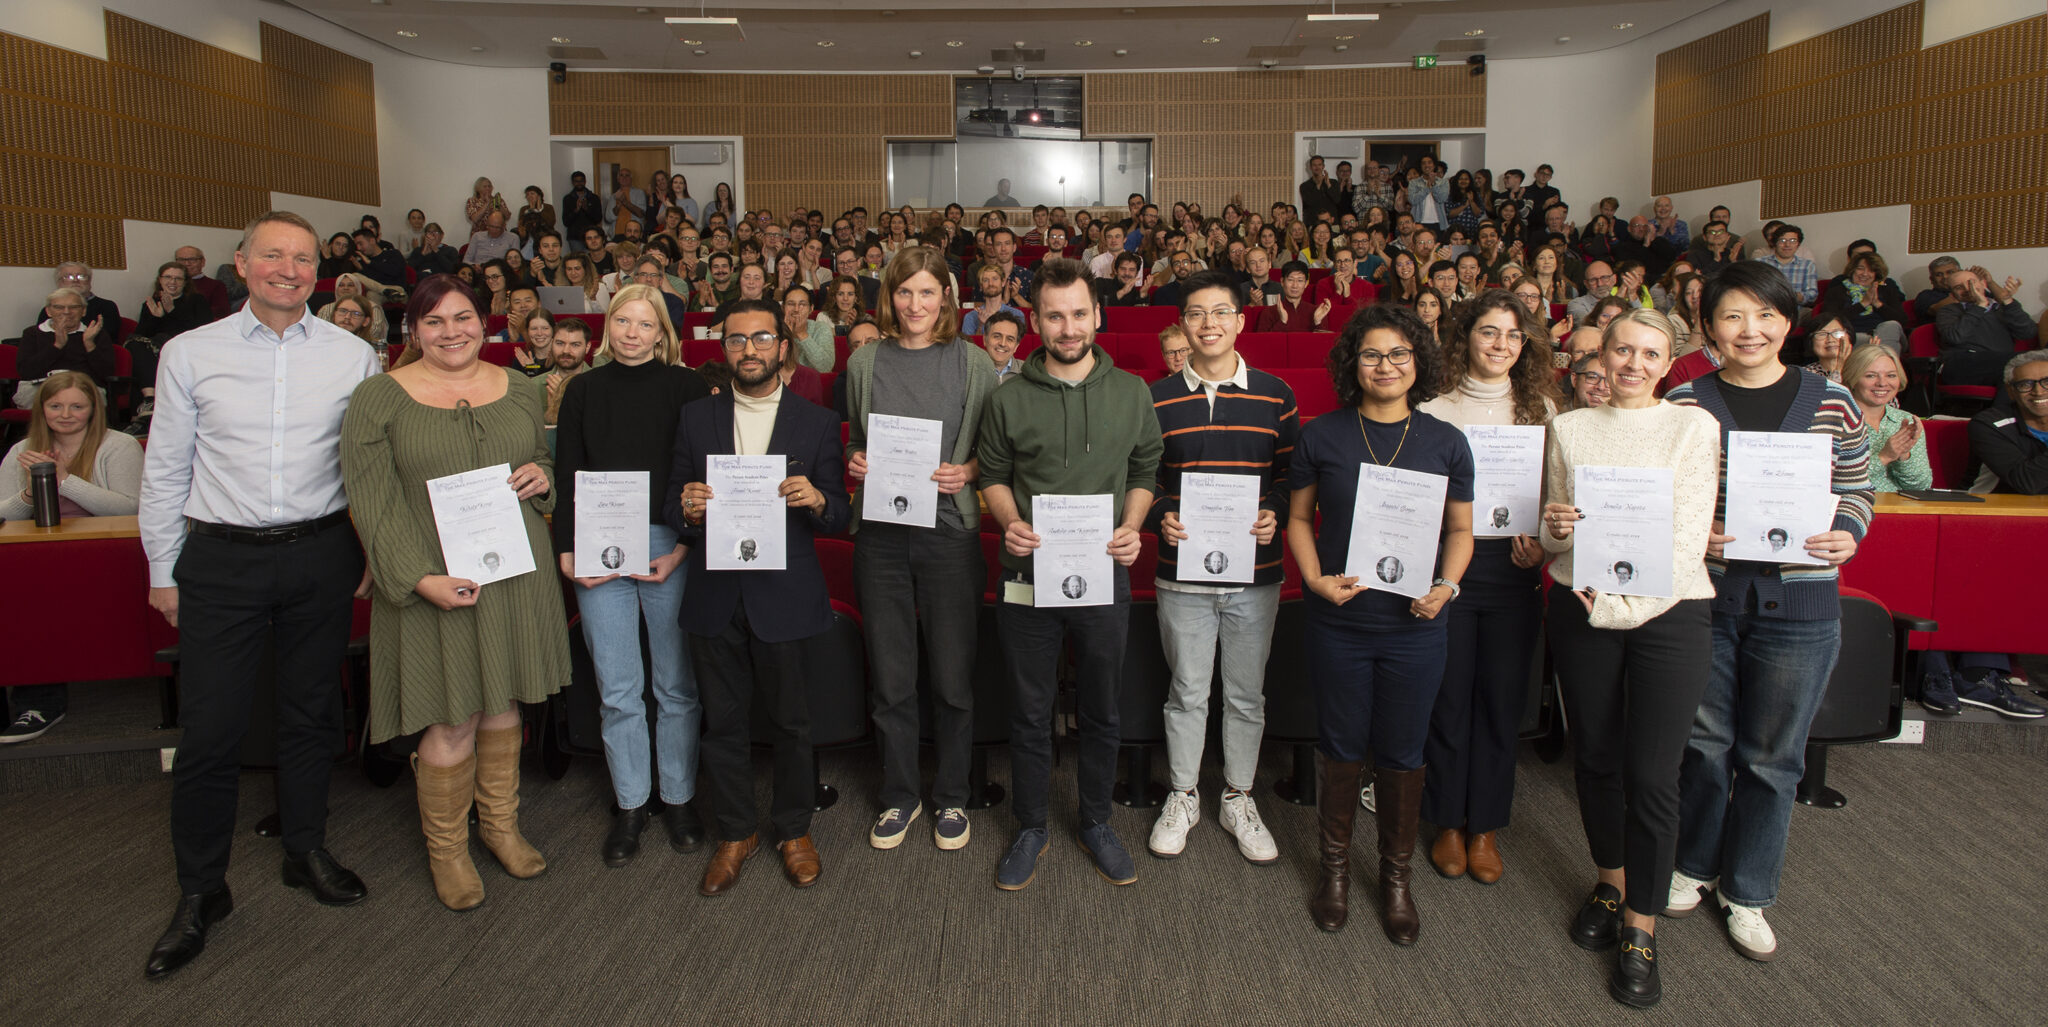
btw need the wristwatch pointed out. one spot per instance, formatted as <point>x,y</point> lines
<point>1452,585</point>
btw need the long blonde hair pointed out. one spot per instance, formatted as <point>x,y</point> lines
<point>903,267</point>
<point>40,439</point>
<point>669,350</point>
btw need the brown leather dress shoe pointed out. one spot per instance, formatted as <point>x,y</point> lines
<point>799,861</point>
<point>725,865</point>
<point>1448,854</point>
<point>1484,858</point>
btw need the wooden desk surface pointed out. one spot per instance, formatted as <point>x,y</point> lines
<point>2004,505</point>
<point>72,529</point>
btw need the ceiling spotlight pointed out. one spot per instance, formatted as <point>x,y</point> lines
<point>955,43</point>
<point>380,3</point>
<point>1564,39</point>
<point>915,54</point>
<point>1346,37</point>
<point>1020,44</point>
<point>825,42</point>
<point>1212,39</point>
<point>1084,42</point>
<point>1341,47</point>
<point>476,49</point>
<point>1122,53</point>
<point>408,33</point>
<point>560,39</point>
<point>1475,32</point>
<point>700,53</point>
<point>1623,26</point>
<point>693,42</point>
<point>643,10</point>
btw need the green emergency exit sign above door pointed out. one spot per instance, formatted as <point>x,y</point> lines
<point>1425,60</point>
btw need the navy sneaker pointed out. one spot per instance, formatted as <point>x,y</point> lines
<point>1938,694</point>
<point>949,829</point>
<point>1111,861</point>
<point>28,727</point>
<point>1986,690</point>
<point>1020,864</point>
<point>890,826</point>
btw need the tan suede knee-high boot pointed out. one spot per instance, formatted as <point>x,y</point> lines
<point>444,795</point>
<point>497,803</point>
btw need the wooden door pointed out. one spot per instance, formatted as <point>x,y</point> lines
<point>642,161</point>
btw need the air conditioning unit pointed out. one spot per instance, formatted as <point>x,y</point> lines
<point>697,153</point>
<point>1336,148</point>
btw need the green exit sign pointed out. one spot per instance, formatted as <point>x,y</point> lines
<point>1425,60</point>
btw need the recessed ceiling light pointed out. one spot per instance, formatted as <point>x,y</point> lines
<point>955,43</point>
<point>701,53</point>
<point>1341,47</point>
<point>693,42</point>
<point>1564,39</point>
<point>1122,53</point>
<point>824,42</point>
<point>476,49</point>
<point>1130,10</point>
<point>561,39</point>
<point>1021,44</point>
<point>1622,26</point>
<point>380,3</point>
<point>915,54</point>
<point>1084,42</point>
<point>408,33</point>
<point>1475,32</point>
<point>1211,39</point>
<point>642,10</point>
<point>1346,37</point>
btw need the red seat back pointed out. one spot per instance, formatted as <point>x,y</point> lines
<point>1948,451</point>
<point>1140,319</point>
<point>1314,395</point>
<point>1309,349</point>
<point>499,353</point>
<point>1923,342</point>
<point>1263,350</point>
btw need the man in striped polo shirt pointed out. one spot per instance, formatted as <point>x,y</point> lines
<point>1219,416</point>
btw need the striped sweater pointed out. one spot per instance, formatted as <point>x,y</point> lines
<point>1792,591</point>
<point>1252,431</point>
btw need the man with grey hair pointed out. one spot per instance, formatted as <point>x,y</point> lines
<point>1376,189</point>
<point>491,243</point>
<point>74,274</point>
<point>1936,295</point>
<point>2013,445</point>
<point>1979,329</point>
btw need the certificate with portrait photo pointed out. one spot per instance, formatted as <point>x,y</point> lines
<point>746,523</point>
<point>1623,543</point>
<point>903,453</point>
<point>611,523</point>
<point>1779,495</point>
<point>1072,565</point>
<point>1507,478</point>
<point>1218,512</point>
<point>482,530</point>
<point>1397,522</point>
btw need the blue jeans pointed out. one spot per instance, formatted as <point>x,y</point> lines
<point>1748,750</point>
<point>1191,627</point>
<point>611,626</point>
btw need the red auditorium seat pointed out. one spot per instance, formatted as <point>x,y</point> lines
<point>1264,350</point>
<point>1948,451</point>
<point>495,323</point>
<point>1313,392</point>
<point>698,352</point>
<point>1027,255</point>
<point>1923,347</point>
<point>499,353</point>
<point>324,285</point>
<point>1026,345</point>
<point>1141,319</point>
<point>1338,317</point>
<point>1309,349</point>
<point>1316,275</point>
<point>1556,311</point>
<point>13,415</point>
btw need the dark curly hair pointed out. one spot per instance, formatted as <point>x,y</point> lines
<point>1343,362</point>
<point>1532,379</point>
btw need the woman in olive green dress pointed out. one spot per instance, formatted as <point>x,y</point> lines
<point>448,656</point>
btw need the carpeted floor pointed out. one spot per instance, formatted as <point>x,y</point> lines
<point>1916,904</point>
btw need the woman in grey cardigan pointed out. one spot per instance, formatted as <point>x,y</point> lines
<point>914,565</point>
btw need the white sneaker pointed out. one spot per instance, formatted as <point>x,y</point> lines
<point>1365,799</point>
<point>1685,895</point>
<point>1748,931</point>
<point>1170,832</point>
<point>1240,817</point>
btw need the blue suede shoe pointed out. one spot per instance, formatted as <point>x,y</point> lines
<point>1938,694</point>
<point>1020,864</point>
<point>1111,860</point>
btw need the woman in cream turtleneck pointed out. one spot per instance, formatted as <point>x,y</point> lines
<point>1496,372</point>
<point>1632,669</point>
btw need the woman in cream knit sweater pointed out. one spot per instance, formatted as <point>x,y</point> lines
<point>1631,669</point>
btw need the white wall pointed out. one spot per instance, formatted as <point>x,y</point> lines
<point>1589,117</point>
<point>431,143</point>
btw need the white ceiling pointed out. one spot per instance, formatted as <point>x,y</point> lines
<point>784,35</point>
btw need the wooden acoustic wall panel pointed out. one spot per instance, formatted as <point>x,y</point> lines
<point>59,154</point>
<point>188,127</point>
<point>1840,116</point>
<point>320,117</point>
<point>1708,111</point>
<point>1980,178</point>
<point>817,140</point>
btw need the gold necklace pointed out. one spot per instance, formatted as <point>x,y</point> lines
<point>1405,424</point>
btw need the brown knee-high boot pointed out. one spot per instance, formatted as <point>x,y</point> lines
<point>1399,797</point>
<point>497,803</point>
<point>444,796</point>
<point>1337,804</point>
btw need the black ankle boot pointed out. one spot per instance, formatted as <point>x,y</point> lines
<point>623,843</point>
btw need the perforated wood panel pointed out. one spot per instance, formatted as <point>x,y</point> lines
<point>1980,180</point>
<point>1839,122</point>
<point>1708,112</point>
<point>320,119</point>
<point>59,156</point>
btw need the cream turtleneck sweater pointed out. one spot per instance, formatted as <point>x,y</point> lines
<point>753,421</point>
<point>1664,435</point>
<point>1475,402</point>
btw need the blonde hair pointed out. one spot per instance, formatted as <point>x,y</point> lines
<point>1648,317</point>
<point>902,268</point>
<point>668,350</point>
<point>39,437</point>
<point>1867,354</point>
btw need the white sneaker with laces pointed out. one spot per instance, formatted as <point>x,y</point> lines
<point>1240,817</point>
<point>1685,895</point>
<point>1748,931</point>
<point>1170,832</point>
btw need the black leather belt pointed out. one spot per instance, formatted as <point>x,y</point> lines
<point>271,536</point>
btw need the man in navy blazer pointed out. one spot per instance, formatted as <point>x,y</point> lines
<point>747,627</point>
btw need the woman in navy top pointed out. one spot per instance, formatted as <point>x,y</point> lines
<point>1375,657</point>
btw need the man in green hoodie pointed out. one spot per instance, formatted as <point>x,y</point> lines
<point>1071,424</point>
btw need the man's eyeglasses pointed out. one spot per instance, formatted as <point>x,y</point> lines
<point>2030,384</point>
<point>1590,377</point>
<point>764,342</point>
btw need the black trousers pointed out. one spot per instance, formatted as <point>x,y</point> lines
<point>1033,640</point>
<point>1630,697</point>
<point>1478,715</point>
<point>734,671</point>
<point>931,578</point>
<point>233,600</point>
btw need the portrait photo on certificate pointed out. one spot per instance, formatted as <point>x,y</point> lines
<point>1397,522</point>
<point>1623,543</point>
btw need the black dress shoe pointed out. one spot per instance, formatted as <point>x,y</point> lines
<point>623,842</point>
<point>185,938</point>
<point>1635,981</point>
<point>330,882</point>
<point>1594,929</point>
<point>685,831</point>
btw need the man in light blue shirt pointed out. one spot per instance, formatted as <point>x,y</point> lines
<point>1797,270</point>
<point>246,530</point>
